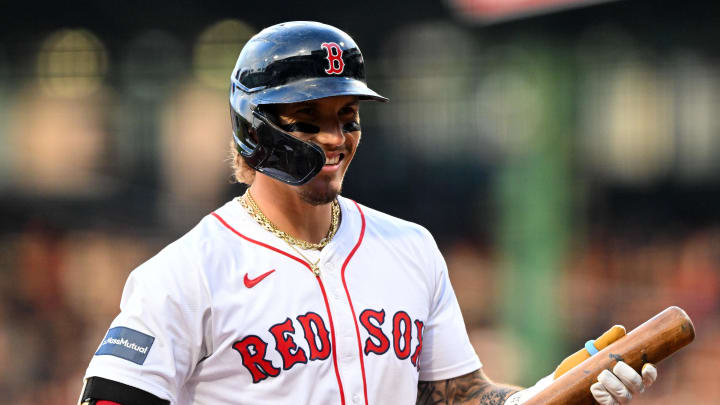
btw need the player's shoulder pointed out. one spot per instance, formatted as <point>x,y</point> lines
<point>207,235</point>
<point>387,225</point>
<point>191,251</point>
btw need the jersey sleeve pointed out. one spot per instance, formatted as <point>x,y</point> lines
<point>162,330</point>
<point>446,351</point>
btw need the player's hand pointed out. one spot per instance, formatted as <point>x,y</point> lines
<point>619,386</point>
<point>612,388</point>
<point>521,397</point>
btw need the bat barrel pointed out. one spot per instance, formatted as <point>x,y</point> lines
<point>651,342</point>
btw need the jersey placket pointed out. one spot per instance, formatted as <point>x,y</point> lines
<point>346,345</point>
<point>336,258</point>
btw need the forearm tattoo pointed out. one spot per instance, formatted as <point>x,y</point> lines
<point>474,388</point>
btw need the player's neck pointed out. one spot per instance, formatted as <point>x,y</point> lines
<point>285,209</point>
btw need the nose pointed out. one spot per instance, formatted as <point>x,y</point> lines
<point>331,134</point>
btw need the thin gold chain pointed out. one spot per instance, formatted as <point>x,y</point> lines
<point>247,201</point>
<point>313,266</point>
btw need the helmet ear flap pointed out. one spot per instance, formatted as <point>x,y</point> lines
<point>252,134</point>
<point>270,150</point>
<point>244,134</point>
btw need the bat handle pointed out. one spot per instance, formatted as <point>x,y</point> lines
<point>612,334</point>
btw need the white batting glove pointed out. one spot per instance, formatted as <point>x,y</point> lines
<point>613,388</point>
<point>520,397</point>
<point>619,386</point>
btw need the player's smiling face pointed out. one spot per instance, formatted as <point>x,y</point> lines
<point>333,123</point>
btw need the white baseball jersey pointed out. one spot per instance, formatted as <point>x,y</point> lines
<point>230,314</point>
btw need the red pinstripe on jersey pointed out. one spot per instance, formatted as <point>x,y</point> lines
<point>322,289</point>
<point>352,309</point>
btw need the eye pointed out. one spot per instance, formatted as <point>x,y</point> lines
<point>305,111</point>
<point>347,111</point>
<point>301,127</point>
<point>351,126</point>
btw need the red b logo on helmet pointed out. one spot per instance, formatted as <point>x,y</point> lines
<point>334,57</point>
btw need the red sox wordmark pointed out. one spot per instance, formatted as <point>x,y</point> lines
<point>253,349</point>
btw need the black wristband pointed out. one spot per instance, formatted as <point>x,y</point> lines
<point>97,388</point>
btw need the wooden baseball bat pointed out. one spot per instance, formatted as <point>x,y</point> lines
<point>651,342</point>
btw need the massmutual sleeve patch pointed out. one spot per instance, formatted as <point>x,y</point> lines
<point>127,344</point>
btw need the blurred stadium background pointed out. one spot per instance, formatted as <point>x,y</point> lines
<point>565,154</point>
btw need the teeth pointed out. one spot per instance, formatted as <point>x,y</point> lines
<point>332,161</point>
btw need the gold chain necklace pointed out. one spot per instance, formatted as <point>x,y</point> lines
<point>313,266</point>
<point>250,205</point>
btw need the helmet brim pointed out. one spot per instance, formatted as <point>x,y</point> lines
<point>316,88</point>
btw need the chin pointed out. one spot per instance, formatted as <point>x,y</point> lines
<point>320,191</point>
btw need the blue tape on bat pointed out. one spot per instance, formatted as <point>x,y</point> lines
<point>590,347</point>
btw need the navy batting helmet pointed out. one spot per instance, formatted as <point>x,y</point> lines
<point>288,63</point>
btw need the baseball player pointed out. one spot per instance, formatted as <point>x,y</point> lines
<point>292,293</point>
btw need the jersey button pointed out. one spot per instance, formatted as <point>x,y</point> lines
<point>356,398</point>
<point>337,293</point>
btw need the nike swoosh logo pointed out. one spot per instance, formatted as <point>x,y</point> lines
<point>250,283</point>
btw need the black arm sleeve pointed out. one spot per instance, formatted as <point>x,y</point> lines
<point>97,388</point>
